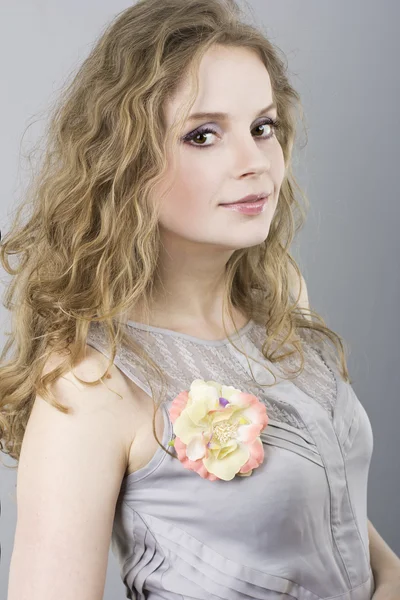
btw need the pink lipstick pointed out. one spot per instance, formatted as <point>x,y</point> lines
<point>248,208</point>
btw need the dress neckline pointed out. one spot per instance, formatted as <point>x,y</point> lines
<point>191,338</point>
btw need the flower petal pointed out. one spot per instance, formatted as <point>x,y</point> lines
<point>243,399</point>
<point>257,413</point>
<point>227,391</point>
<point>196,448</point>
<point>215,385</point>
<point>256,458</point>
<point>185,429</point>
<point>200,390</point>
<point>227,467</point>
<point>178,404</point>
<point>248,433</point>
<point>223,414</point>
<point>197,465</point>
<point>197,410</point>
<point>252,409</point>
<point>222,450</point>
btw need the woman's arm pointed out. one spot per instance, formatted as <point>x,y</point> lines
<point>69,476</point>
<point>385,563</point>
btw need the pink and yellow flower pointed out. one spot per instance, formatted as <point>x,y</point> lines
<point>217,430</point>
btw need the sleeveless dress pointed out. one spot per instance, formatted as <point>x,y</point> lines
<point>295,529</point>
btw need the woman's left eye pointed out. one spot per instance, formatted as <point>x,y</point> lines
<point>204,130</point>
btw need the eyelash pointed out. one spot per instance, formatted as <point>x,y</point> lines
<point>275,123</point>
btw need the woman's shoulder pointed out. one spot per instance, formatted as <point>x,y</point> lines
<point>113,394</point>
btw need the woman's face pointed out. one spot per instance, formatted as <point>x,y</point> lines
<point>242,156</point>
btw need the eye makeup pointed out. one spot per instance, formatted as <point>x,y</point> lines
<point>203,130</point>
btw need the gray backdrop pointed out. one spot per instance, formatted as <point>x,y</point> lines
<point>343,58</point>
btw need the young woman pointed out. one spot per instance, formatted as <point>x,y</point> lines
<point>148,279</point>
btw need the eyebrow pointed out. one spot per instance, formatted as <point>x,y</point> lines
<point>224,116</point>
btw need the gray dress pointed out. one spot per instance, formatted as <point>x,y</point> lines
<point>296,528</point>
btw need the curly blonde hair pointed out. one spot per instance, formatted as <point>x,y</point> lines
<point>90,245</point>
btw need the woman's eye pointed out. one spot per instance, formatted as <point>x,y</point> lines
<point>202,131</point>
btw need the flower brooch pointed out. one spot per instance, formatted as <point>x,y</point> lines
<point>217,430</point>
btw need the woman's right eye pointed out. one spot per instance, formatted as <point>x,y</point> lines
<point>198,133</point>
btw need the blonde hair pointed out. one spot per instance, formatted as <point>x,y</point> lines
<point>89,249</point>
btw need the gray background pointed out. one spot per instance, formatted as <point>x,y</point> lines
<point>343,59</point>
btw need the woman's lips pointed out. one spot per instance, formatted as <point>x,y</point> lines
<point>248,208</point>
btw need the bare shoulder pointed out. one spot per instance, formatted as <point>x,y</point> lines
<point>115,395</point>
<point>131,406</point>
<point>135,408</point>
